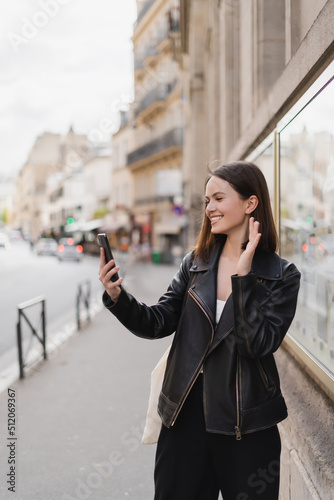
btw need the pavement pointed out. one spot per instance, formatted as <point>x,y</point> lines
<point>71,429</point>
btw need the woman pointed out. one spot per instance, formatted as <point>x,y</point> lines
<point>230,306</point>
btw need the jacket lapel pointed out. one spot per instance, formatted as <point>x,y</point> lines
<point>204,288</point>
<point>266,266</point>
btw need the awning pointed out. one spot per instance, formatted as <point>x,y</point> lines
<point>116,221</point>
<point>84,226</point>
<point>171,226</point>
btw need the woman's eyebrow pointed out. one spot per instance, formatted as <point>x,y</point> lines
<point>215,194</point>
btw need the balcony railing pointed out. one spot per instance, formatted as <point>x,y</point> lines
<point>153,200</point>
<point>139,63</point>
<point>173,138</point>
<point>144,9</point>
<point>159,93</point>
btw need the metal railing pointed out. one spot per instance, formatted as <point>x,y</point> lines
<point>144,9</point>
<point>83,298</point>
<point>158,93</point>
<point>172,138</point>
<point>22,316</point>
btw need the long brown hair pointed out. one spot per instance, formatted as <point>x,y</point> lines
<point>247,179</point>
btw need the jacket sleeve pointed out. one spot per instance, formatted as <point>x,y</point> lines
<point>156,321</point>
<point>261,323</point>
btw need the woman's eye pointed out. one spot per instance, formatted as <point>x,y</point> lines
<point>219,199</point>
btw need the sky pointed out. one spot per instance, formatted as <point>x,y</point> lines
<point>62,63</point>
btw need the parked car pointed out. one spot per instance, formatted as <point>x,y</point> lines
<point>68,250</point>
<point>46,246</point>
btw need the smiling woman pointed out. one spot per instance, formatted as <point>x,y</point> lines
<point>237,184</point>
<point>230,306</point>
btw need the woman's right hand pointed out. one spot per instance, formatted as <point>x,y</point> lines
<point>113,288</point>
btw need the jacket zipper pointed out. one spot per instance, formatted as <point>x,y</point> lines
<point>237,385</point>
<point>201,363</point>
<point>242,318</point>
<point>266,381</point>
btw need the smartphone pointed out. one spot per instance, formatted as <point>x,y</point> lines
<point>104,243</point>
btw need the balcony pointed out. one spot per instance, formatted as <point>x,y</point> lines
<point>167,143</point>
<point>139,63</point>
<point>150,55</point>
<point>143,10</point>
<point>139,66</point>
<point>153,200</point>
<point>155,100</point>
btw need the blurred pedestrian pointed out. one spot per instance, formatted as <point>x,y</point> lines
<point>230,306</point>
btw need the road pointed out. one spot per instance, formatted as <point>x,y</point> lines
<point>24,276</point>
<point>79,415</point>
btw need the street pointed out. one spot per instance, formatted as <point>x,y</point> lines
<point>79,416</point>
<point>24,276</point>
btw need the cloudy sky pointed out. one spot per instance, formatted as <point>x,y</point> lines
<point>63,62</point>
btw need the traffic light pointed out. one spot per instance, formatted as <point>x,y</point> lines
<point>70,220</point>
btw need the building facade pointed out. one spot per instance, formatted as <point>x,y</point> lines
<point>65,183</point>
<point>30,193</point>
<point>121,200</point>
<point>156,161</point>
<point>258,85</point>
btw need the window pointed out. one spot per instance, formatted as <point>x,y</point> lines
<point>302,196</point>
<point>306,149</point>
<point>263,157</point>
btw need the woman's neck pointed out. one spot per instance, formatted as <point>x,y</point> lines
<point>233,248</point>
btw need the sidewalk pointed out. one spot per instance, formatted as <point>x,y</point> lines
<point>80,414</point>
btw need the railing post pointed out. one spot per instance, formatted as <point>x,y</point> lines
<point>21,314</point>
<point>86,301</point>
<point>44,329</point>
<point>78,307</point>
<point>19,345</point>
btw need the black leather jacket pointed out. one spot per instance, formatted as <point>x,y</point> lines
<point>241,384</point>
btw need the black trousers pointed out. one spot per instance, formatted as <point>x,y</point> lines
<point>192,464</point>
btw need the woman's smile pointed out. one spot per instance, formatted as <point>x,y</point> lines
<point>215,218</point>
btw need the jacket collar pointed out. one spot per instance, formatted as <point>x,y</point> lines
<point>199,265</point>
<point>265,265</point>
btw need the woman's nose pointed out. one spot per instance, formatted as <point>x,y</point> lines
<point>210,206</point>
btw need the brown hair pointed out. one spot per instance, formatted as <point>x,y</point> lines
<point>247,179</point>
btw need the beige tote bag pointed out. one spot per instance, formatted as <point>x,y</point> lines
<point>153,420</point>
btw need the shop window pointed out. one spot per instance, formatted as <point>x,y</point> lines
<point>263,157</point>
<point>306,152</point>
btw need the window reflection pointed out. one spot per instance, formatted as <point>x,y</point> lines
<point>307,221</point>
<point>263,157</point>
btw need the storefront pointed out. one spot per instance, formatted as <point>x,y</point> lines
<point>298,162</point>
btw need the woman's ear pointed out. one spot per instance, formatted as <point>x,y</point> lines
<point>252,203</point>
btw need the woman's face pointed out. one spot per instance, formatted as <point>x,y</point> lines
<point>225,209</point>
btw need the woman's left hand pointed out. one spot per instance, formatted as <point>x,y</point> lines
<point>246,258</point>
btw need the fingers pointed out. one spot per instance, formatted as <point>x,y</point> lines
<point>110,273</point>
<point>254,235</point>
<point>105,274</point>
<point>107,270</point>
<point>102,260</point>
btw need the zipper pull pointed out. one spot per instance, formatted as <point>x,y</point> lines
<point>237,433</point>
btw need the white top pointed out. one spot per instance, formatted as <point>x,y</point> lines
<point>219,309</point>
